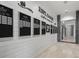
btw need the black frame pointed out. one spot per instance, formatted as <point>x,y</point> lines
<point>25,24</point>
<point>47,28</point>
<point>36,26</point>
<point>51,29</point>
<point>43,27</point>
<point>55,29</point>
<point>6,21</point>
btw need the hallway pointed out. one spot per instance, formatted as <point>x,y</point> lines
<point>41,29</point>
<point>61,50</point>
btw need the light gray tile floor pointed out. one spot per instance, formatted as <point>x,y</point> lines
<point>61,50</point>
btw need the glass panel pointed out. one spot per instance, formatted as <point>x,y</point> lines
<point>4,20</point>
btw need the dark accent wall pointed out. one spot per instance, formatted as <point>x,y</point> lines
<point>77,27</point>
<point>58,26</point>
<point>62,32</point>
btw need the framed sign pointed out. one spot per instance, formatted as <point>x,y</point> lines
<point>47,28</point>
<point>55,29</point>
<point>36,26</point>
<point>25,25</point>
<point>43,27</point>
<point>6,21</point>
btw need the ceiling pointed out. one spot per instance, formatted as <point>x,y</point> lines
<point>67,9</point>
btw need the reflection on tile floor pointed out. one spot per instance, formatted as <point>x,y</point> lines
<point>61,50</point>
<point>69,39</point>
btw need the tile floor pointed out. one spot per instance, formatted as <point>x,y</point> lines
<point>61,50</point>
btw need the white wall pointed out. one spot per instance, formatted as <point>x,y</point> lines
<point>24,46</point>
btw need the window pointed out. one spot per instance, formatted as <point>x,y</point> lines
<point>6,22</point>
<point>36,26</point>
<point>25,25</point>
<point>43,27</point>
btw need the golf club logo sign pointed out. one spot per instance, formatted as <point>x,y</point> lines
<point>23,5</point>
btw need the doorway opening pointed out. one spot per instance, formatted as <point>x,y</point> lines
<point>68,31</point>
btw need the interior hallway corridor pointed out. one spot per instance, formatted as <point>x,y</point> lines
<point>41,29</point>
<point>61,50</point>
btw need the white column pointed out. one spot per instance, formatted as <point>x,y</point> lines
<point>32,27</point>
<point>15,25</point>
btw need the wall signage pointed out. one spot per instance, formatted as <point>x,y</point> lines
<point>46,18</point>
<point>45,13</point>
<point>23,5</point>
